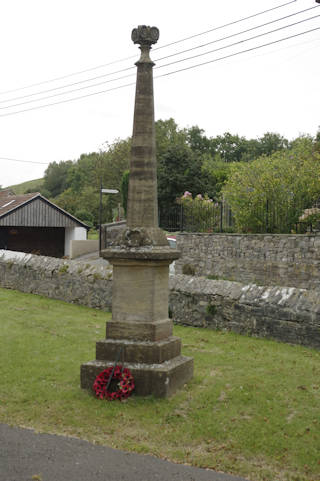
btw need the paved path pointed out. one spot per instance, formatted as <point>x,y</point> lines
<point>27,456</point>
<point>92,258</point>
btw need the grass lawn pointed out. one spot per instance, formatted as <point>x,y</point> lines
<point>252,409</point>
<point>93,234</point>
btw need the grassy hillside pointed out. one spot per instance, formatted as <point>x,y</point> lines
<point>30,185</point>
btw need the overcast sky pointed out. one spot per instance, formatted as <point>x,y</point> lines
<point>273,88</point>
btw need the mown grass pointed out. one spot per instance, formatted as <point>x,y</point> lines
<point>93,234</point>
<point>252,409</point>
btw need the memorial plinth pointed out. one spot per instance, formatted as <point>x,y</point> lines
<point>140,328</point>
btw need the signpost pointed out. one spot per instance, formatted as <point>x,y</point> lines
<point>103,191</point>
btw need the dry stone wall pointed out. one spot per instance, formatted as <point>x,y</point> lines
<point>267,259</point>
<point>285,313</point>
<point>66,280</point>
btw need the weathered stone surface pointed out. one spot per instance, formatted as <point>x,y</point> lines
<point>140,331</point>
<point>152,253</point>
<point>160,380</point>
<point>134,351</point>
<point>141,262</point>
<point>267,259</point>
<point>142,194</point>
<point>284,313</point>
<point>67,280</point>
<point>145,35</point>
<point>140,291</point>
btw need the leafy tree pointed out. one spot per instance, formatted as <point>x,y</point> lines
<point>217,173</point>
<point>84,177</point>
<point>114,162</point>
<point>84,171</point>
<point>85,216</point>
<point>124,188</point>
<point>272,142</point>
<point>271,192</point>
<point>228,147</point>
<point>198,142</point>
<point>179,170</point>
<point>179,157</point>
<point>55,177</point>
<point>167,135</point>
<point>38,188</point>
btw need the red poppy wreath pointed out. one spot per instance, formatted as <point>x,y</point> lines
<point>116,382</point>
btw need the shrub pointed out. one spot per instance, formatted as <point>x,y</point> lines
<point>201,214</point>
<point>269,194</point>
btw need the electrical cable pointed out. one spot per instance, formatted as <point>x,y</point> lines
<point>236,34</point>
<point>157,48</point>
<point>67,92</point>
<point>161,66</point>
<point>163,75</point>
<point>156,60</point>
<point>240,41</point>
<point>68,85</point>
<point>26,161</point>
<point>238,53</point>
<point>225,25</point>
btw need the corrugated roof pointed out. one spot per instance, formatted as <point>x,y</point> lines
<point>10,202</point>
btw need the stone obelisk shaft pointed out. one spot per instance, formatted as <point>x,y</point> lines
<point>142,196</point>
<point>140,328</point>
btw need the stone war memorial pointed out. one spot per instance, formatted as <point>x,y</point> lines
<point>139,334</point>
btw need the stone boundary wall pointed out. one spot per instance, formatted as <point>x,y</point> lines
<point>285,313</point>
<point>109,232</point>
<point>267,259</point>
<point>67,280</point>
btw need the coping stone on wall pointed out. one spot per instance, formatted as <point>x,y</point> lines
<point>67,280</point>
<point>288,314</point>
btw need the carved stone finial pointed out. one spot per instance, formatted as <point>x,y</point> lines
<point>144,35</point>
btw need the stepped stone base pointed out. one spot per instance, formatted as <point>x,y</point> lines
<point>161,380</point>
<point>141,331</point>
<point>136,351</point>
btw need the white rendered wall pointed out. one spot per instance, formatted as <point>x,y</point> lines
<point>73,233</point>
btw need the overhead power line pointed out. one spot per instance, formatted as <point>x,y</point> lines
<point>226,25</point>
<point>161,66</point>
<point>25,161</point>
<point>66,92</point>
<point>79,72</point>
<point>240,41</point>
<point>34,94</point>
<point>165,74</point>
<point>238,33</point>
<point>238,53</point>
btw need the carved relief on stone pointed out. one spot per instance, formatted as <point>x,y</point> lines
<point>144,35</point>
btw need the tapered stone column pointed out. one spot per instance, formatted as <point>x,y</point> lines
<point>140,328</point>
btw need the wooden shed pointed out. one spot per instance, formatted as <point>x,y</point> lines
<point>31,223</point>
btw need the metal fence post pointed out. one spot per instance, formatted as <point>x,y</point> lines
<point>181,218</point>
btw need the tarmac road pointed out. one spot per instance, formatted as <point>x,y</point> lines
<point>29,456</point>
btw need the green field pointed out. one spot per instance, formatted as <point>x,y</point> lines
<point>24,186</point>
<point>252,409</point>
